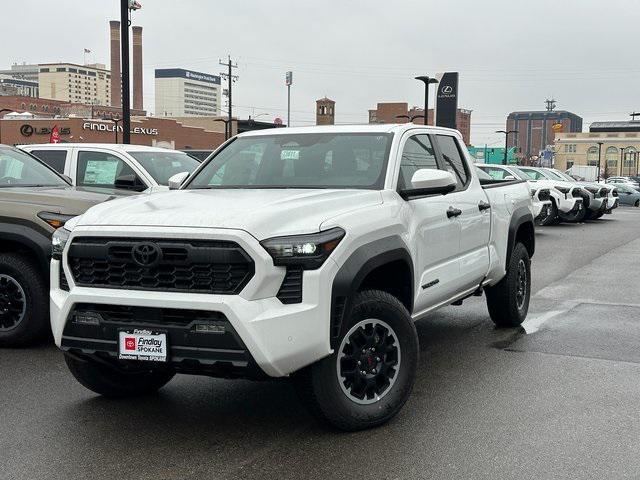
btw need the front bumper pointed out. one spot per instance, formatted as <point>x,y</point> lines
<point>277,338</point>
<point>612,204</point>
<point>542,210</point>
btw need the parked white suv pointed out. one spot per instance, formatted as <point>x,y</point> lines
<point>545,211</point>
<point>302,252</point>
<point>105,165</point>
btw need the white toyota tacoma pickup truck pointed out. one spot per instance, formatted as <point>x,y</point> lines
<point>305,253</point>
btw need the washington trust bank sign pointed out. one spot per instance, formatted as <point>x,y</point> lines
<point>106,127</point>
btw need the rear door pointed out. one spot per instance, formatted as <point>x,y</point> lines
<point>436,235</point>
<point>475,219</point>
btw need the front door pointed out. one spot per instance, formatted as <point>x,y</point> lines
<point>436,235</point>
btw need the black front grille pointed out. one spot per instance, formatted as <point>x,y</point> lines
<point>196,266</point>
<point>615,192</point>
<point>291,288</point>
<point>544,194</point>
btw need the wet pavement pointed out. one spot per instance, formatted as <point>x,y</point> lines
<point>560,401</point>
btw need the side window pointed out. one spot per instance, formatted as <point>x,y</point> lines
<point>417,153</point>
<point>453,160</point>
<point>495,173</point>
<point>100,169</point>
<point>54,158</point>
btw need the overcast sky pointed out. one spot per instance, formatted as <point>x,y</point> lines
<point>511,54</point>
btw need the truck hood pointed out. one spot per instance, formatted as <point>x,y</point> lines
<point>66,200</point>
<point>263,213</point>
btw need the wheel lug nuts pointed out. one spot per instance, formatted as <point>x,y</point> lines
<point>373,370</point>
<point>377,359</point>
<point>363,372</point>
<point>359,363</point>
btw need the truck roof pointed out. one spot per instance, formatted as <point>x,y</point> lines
<point>110,146</point>
<point>363,128</point>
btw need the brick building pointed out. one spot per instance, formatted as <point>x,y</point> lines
<point>388,112</point>
<point>536,129</point>
<point>151,131</point>
<point>325,111</point>
<point>43,107</point>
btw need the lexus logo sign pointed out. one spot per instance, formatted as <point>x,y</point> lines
<point>26,130</point>
<point>447,89</point>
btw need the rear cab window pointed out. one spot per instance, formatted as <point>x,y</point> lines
<point>453,160</point>
<point>56,159</point>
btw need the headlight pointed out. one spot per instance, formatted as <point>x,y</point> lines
<point>308,251</point>
<point>56,220</point>
<point>564,190</point>
<point>58,242</point>
<point>533,192</point>
<point>592,190</point>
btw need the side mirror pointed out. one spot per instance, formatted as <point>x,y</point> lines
<point>129,182</point>
<point>509,177</point>
<point>178,179</point>
<point>428,181</point>
<point>67,178</point>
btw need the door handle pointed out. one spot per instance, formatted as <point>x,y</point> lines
<point>482,206</point>
<point>453,212</point>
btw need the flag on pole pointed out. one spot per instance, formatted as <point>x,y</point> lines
<point>55,135</point>
<point>86,50</point>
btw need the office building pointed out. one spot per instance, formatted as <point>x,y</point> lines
<point>185,93</point>
<point>69,82</point>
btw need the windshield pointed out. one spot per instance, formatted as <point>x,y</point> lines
<point>557,176</point>
<point>562,175</point>
<point>163,165</point>
<point>309,160</point>
<point>519,173</point>
<point>20,169</point>
<point>533,174</point>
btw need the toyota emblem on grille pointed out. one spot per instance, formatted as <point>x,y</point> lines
<point>146,254</point>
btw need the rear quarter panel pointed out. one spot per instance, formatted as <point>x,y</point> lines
<point>505,200</point>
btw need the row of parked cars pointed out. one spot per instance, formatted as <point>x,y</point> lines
<point>558,197</point>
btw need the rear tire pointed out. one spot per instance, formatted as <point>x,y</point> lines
<point>637,204</point>
<point>111,382</point>
<point>369,377</point>
<point>24,307</point>
<point>508,300</point>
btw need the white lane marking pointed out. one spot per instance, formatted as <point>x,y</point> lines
<point>532,325</point>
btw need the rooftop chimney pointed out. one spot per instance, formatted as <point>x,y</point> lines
<point>137,68</point>
<point>116,77</point>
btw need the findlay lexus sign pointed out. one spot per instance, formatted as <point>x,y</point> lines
<point>105,127</point>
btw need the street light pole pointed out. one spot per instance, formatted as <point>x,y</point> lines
<point>289,82</point>
<point>599,155</point>
<point>124,55</point>
<point>410,118</point>
<point>506,142</point>
<point>427,81</point>
<point>116,121</point>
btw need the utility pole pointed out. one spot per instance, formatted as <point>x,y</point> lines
<point>289,82</point>
<point>231,78</point>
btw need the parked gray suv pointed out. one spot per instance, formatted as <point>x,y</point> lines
<point>34,201</point>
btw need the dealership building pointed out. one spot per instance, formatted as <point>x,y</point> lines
<point>185,93</point>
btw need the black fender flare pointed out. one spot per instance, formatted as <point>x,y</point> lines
<point>520,217</point>
<point>354,270</point>
<point>32,238</point>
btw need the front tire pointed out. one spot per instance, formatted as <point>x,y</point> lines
<point>109,381</point>
<point>24,308</point>
<point>369,377</point>
<point>508,300</point>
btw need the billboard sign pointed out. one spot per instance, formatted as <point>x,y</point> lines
<point>447,99</point>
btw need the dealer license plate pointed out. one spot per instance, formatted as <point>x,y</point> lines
<point>144,345</point>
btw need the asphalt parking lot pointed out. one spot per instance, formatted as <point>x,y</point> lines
<point>559,401</point>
